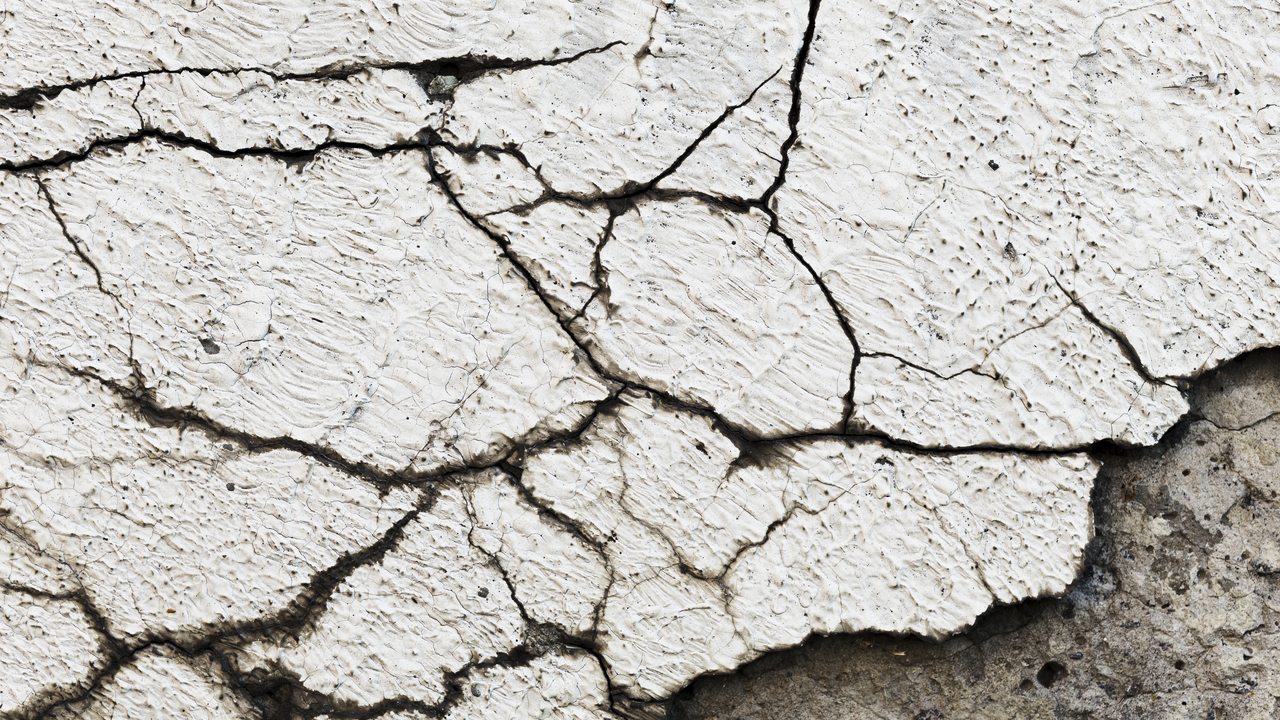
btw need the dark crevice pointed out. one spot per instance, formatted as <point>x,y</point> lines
<point>300,157</point>
<point>75,246</point>
<point>312,598</point>
<point>706,132</point>
<point>793,113</point>
<point>462,67</point>
<point>281,695</point>
<point>551,516</point>
<point>726,203</point>
<point>598,272</point>
<point>1241,428</point>
<point>768,204</point>
<point>1126,348</point>
<point>144,402</point>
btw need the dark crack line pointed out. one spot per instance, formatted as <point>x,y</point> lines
<point>1126,348</point>
<point>1241,428</point>
<point>768,204</point>
<point>598,272</point>
<point>312,598</point>
<point>793,113</point>
<point>75,246</point>
<point>185,141</point>
<point>706,132</point>
<point>463,67</point>
<point>144,403</point>
<point>930,371</point>
<point>552,516</point>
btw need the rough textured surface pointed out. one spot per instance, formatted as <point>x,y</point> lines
<point>1176,614</point>
<point>162,682</point>
<point>535,358</point>
<point>718,554</point>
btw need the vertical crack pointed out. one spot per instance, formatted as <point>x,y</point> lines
<point>769,205</point>
<point>75,245</point>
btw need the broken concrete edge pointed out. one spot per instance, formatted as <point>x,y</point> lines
<point>1002,618</point>
<point>155,414</point>
<point>278,694</point>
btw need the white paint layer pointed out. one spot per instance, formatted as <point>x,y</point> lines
<point>523,358</point>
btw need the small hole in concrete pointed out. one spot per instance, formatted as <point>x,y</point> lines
<point>1179,665</point>
<point>1052,672</point>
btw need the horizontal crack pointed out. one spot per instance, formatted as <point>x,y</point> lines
<point>463,67</point>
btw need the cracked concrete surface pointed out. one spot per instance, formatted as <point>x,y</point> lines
<point>1175,615</point>
<point>536,359</point>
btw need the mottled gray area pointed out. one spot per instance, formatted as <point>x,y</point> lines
<point>1176,615</point>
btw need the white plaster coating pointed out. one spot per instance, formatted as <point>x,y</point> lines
<point>168,530</point>
<point>709,306</point>
<point>235,111</point>
<point>348,305</point>
<point>556,243</point>
<point>680,330</point>
<point>432,606</point>
<point>162,682</point>
<point>556,577</point>
<point>45,644</point>
<point>488,182</point>
<point>740,158</point>
<point>79,327</point>
<point>53,43</point>
<point>69,122</point>
<point>718,556</point>
<point>622,116</point>
<point>561,685</point>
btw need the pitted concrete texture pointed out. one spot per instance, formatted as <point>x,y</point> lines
<point>1176,614</point>
<point>536,358</point>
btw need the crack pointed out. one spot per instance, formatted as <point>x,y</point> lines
<point>143,401</point>
<point>184,141</point>
<point>552,516</point>
<point>930,371</point>
<point>793,113</point>
<point>282,694</point>
<point>727,203</point>
<point>79,250</point>
<point>706,132</point>
<point>977,563</point>
<point>767,203</point>
<point>1126,348</point>
<point>598,271</point>
<point>312,598</point>
<point>464,67</point>
<point>492,558</point>
<point>1241,428</point>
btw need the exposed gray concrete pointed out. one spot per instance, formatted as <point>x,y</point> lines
<point>1176,615</point>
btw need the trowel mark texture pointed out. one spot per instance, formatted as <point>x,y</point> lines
<point>603,344</point>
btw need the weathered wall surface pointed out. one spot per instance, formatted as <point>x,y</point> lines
<point>1176,615</point>
<point>535,359</point>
